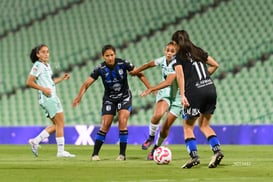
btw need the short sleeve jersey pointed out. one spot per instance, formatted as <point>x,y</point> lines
<point>196,74</point>
<point>167,69</point>
<point>43,74</point>
<point>114,79</point>
<point>162,63</point>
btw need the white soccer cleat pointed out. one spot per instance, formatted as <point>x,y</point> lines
<point>34,147</point>
<point>66,154</point>
<point>95,158</point>
<point>216,159</point>
<point>121,158</point>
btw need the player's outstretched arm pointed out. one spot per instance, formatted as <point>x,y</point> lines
<point>89,81</point>
<point>142,68</point>
<point>144,80</point>
<point>170,78</point>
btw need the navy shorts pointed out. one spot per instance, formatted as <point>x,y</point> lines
<point>110,106</point>
<point>201,101</point>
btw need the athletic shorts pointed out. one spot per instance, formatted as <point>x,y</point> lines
<point>201,101</point>
<point>175,106</point>
<point>163,94</point>
<point>51,106</point>
<point>111,107</point>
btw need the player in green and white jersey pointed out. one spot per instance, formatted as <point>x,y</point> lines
<point>175,107</point>
<point>40,78</point>
<point>164,102</point>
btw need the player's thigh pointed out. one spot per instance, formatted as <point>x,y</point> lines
<point>58,119</point>
<point>168,122</point>
<point>161,106</point>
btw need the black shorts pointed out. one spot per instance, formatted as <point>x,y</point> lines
<point>201,101</point>
<point>110,106</point>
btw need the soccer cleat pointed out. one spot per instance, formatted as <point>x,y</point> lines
<point>95,158</point>
<point>216,159</point>
<point>147,144</point>
<point>34,147</point>
<point>65,154</point>
<point>150,156</point>
<point>121,158</point>
<point>191,162</point>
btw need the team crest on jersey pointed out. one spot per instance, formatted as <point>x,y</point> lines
<point>120,71</point>
<point>108,108</point>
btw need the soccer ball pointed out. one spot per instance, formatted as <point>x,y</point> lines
<point>162,155</point>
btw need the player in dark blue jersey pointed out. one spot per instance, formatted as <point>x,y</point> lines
<point>198,95</point>
<point>117,97</point>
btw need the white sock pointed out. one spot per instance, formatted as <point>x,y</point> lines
<point>43,135</point>
<point>153,129</point>
<point>159,141</point>
<point>60,144</point>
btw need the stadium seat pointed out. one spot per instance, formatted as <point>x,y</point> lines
<point>232,31</point>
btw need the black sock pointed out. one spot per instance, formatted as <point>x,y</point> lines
<point>97,147</point>
<point>100,137</point>
<point>123,139</point>
<point>122,148</point>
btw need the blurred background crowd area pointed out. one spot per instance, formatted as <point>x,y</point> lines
<point>237,33</point>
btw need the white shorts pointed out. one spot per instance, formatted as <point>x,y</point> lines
<point>51,106</point>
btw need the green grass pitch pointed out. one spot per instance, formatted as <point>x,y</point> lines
<point>241,163</point>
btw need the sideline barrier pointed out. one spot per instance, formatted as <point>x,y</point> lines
<point>84,135</point>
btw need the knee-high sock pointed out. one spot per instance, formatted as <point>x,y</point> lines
<point>100,137</point>
<point>123,140</point>
<point>191,147</point>
<point>214,143</point>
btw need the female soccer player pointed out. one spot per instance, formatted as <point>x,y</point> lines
<point>117,97</point>
<point>40,78</point>
<point>163,99</point>
<point>175,108</point>
<point>198,95</point>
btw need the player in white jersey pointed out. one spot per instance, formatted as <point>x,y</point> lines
<point>163,98</point>
<point>175,108</point>
<point>40,78</point>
